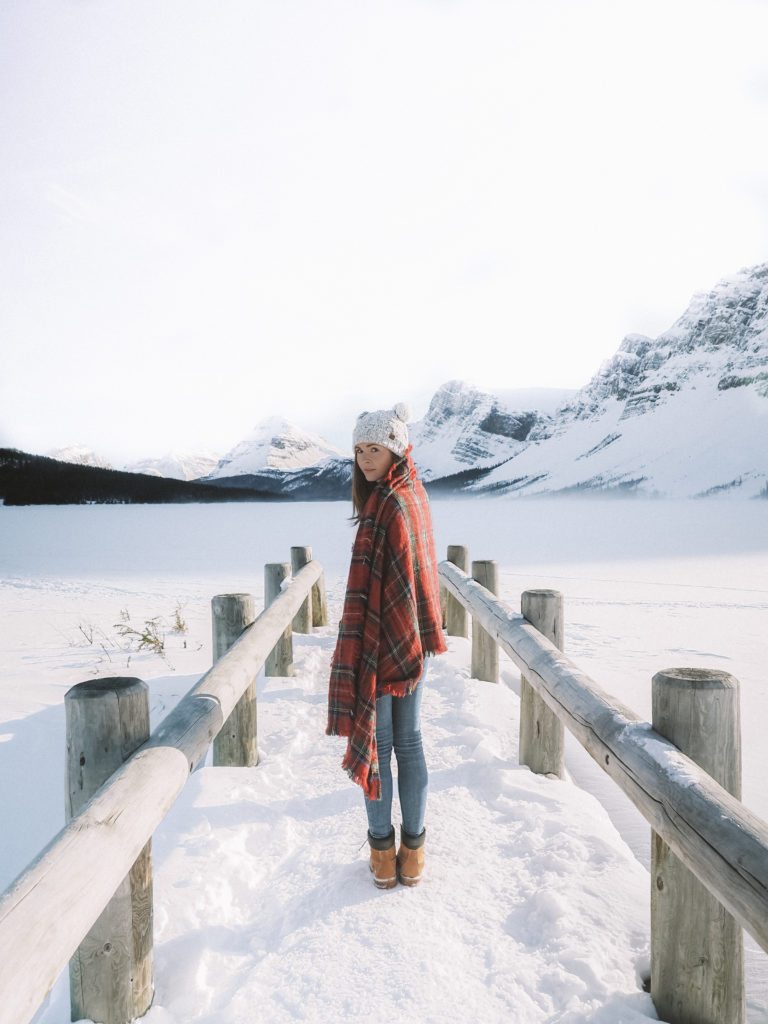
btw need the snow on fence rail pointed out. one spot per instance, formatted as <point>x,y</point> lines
<point>87,895</point>
<point>86,898</point>
<point>709,853</point>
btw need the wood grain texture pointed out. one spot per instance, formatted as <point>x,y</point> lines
<point>697,947</point>
<point>302,620</point>
<point>280,659</point>
<point>542,735</point>
<point>319,600</point>
<point>456,617</point>
<point>50,907</point>
<point>236,743</point>
<point>723,843</point>
<point>485,651</point>
<point>111,970</point>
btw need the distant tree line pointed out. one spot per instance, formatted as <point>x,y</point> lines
<point>37,480</point>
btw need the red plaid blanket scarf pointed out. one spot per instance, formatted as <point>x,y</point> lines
<point>391,617</point>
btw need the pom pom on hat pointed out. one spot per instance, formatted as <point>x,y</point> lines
<point>386,427</point>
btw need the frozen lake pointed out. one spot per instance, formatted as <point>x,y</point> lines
<point>647,584</point>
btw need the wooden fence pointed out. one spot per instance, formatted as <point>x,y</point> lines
<point>709,867</point>
<point>86,899</point>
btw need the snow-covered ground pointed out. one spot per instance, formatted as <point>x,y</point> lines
<point>533,907</point>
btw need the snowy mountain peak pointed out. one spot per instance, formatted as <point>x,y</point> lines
<point>722,337</point>
<point>453,398</point>
<point>275,443</point>
<point>274,425</point>
<point>684,414</point>
<point>80,455</point>
<point>733,314</point>
<point>176,465</point>
<point>466,427</point>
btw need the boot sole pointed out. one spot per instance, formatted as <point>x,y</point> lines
<point>409,881</point>
<point>387,883</point>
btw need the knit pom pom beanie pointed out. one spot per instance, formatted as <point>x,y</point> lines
<point>387,427</point>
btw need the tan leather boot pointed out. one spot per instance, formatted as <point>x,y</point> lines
<point>410,858</point>
<point>382,863</point>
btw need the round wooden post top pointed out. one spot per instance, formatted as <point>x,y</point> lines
<point>98,687</point>
<point>459,555</point>
<point>696,679</point>
<point>544,592</point>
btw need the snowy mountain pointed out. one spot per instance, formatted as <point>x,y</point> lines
<point>684,415</point>
<point>174,465</point>
<point>274,445</point>
<point>465,427</point>
<point>177,465</point>
<point>79,455</point>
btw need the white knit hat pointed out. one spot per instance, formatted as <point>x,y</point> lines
<point>386,427</point>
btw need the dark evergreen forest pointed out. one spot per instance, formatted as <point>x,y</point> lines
<point>37,480</point>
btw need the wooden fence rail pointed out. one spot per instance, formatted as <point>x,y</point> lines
<point>52,905</point>
<point>715,837</point>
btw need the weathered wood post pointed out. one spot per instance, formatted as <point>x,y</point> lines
<point>697,948</point>
<point>485,652</point>
<point>456,619</point>
<point>317,602</point>
<point>110,975</point>
<point>236,744</point>
<point>280,659</point>
<point>302,620</point>
<point>542,736</point>
<point>443,595</point>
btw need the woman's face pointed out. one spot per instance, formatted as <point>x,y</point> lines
<point>374,460</point>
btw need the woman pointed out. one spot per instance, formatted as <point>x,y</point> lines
<point>391,620</point>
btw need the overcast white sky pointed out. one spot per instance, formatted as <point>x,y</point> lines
<point>216,211</point>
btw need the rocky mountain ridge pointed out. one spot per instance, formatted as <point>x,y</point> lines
<point>683,414</point>
<point>723,332</point>
<point>465,427</point>
<point>274,445</point>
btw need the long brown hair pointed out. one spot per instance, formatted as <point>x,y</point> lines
<point>362,489</point>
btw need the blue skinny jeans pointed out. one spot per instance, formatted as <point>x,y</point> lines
<point>398,725</point>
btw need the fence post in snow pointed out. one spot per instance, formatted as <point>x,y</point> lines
<point>697,948</point>
<point>111,973</point>
<point>319,602</point>
<point>542,736</point>
<point>316,602</point>
<point>302,620</point>
<point>485,651</point>
<point>280,659</point>
<point>456,618</point>
<point>236,744</point>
